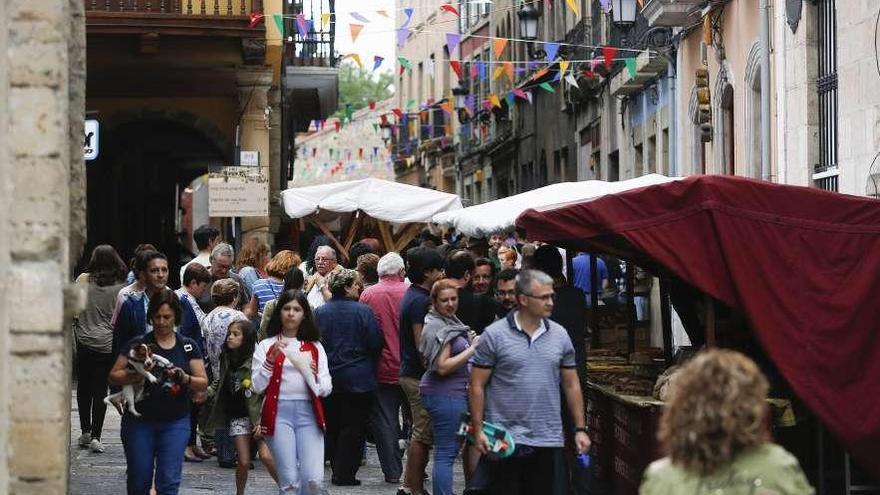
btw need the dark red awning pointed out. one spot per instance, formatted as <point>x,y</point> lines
<point>801,263</point>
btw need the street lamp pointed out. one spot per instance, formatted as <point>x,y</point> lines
<point>623,12</point>
<point>528,28</point>
<point>528,22</point>
<point>460,94</point>
<point>386,132</point>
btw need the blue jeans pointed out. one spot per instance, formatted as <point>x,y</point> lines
<point>298,448</point>
<point>446,414</point>
<point>154,445</point>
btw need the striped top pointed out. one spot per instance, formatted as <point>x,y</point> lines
<point>266,290</point>
<point>522,394</point>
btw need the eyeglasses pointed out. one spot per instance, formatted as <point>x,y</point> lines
<point>319,259</point>
<point>544,298</point>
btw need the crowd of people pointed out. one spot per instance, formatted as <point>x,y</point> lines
<point>302,360</point>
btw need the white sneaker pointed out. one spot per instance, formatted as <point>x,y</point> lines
<point>96,446</point>
<point>84,440</point>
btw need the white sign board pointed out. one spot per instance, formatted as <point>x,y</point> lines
<point>234,193</point>
<point>249,159</point>
<point>90,139</point>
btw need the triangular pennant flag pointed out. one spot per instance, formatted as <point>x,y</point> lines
<point>552,49</point>
<point>405,64</point>
<point>595,63</point>
<point>310,29</point>
<point>325,20</point>
<point>410,103</point>
<point>541,73</point>
<point>429,68</point>
<point>606,5</point>
<point>547,87</point>
<point>487,105</point>
<point>338,125</point>
<point>456,67</point>
<point>452,40</point>
<point>447,107</point>
<point>402,33</point>
<point>383,13</point>
<point>375,127</point>
<point>563,66</point>
<point>608,53</point>
<point>572,4</point>
<point>498,45</point>
<point>520,93</point>
<point>450,9</point>
<point>377,61</point>
<point>279,23</point>
<point>498,71</point>
<point>570,79</point>
<point>359,17</point>
<point>475,71</point>
<point>255,18</point>
<point>355,31</point>
<point>493,98</point>
<point>510,98</point>
<point>630,67</point>
<point>530,97</point>
<point>356,58</point>
<point>408,13</point>
<point>508,69</point>
<point>372,104</point>
<point>301,25</point>
<point>469,104</point>
<point>398,112</point>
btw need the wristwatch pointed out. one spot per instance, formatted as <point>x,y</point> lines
<point>584,429</point>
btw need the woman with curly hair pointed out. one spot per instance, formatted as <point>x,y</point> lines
<point>715,433</point>
<point>252,260</point>
<point>269,288</point>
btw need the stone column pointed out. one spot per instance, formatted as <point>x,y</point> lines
<point>253,88</point>
<point>277,171</point>
<point>35,169</point>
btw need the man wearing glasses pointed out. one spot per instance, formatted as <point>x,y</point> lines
<point>517,368</point>
<point>317,290</point>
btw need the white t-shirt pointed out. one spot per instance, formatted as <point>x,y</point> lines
<point>203,259</point>
<point>293,385</point>
<point>315,297</point>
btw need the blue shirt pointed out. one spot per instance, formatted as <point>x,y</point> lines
<point>522,394</point>
<point>582,280</point>
<point>413,309</point>
<point>267,290</point>
<point>350,335</point>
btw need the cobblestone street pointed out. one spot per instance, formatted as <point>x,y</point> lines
<point>104,474</point>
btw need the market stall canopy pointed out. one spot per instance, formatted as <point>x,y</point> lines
<point>497,216</point>
<point>802,264</point>
<point>381,199</point>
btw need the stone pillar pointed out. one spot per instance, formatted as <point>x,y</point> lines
<point>35,172</point>
<point>5,196</point>
<point>277,183</point>
<point>253,88</point>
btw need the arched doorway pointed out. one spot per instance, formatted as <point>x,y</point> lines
<point>134,187</point>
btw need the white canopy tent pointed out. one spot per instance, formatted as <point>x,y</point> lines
<point>497,216</point>
<point>395,212</point>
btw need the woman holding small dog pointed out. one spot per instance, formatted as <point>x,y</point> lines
<point>155,438</point>
<point>290,369</point>
<point>235,404</point>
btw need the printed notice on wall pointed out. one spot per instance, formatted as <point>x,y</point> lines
<point>238,192</point>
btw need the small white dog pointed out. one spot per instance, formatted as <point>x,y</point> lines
<point>142,360</point>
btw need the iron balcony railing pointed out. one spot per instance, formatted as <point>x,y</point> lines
<point>230,8</point>
<point>309,27</point>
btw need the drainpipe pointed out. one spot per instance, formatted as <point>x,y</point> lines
<point>765,90</point>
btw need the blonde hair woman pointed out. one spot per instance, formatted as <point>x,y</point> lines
<point>715,434</point>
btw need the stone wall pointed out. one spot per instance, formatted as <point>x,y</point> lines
<point>41,176</point>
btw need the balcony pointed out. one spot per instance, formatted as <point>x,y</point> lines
<point>311,79</point>
<point>214,18</point>
<point>671,13</point>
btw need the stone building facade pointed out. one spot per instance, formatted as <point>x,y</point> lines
<point>42,220</point>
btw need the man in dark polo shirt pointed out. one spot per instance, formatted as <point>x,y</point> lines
<point>517,367</point>
<point>424,267</point>
<point>474,310</point>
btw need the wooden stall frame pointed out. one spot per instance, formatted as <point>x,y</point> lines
<point>356,221</point>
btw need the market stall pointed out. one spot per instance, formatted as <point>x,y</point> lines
<point>795,267</point>
<point>392,212</point>
<point>499,215</point>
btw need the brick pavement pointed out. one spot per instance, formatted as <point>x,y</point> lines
<point>104,474</point>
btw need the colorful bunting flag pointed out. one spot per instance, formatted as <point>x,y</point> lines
<point>570,79</point>
<point>456,67</point>
<point>408,13</point>
<point>450,9</point>
<point>452,40</point>
<point>572,4</point>
<point>398,112</point>
<point>410,103</point>
<point>547,87</point>
<point>355,31</point>
<point>520,93</point>
<point>325,20</point>
<point>469,104</point>
<point>493,98</point>
<point>508,69</point>
<point>563,66</point>
<point>552,49</point>
<point>498,45</point>
<point>279,23</point>
<point>377,61</point>
<point>630,67</point>
<point>404,64</point>
<point>402,34</point>
<point>359,17</point>
<point>429,68</point>
<point>498,71</point>
<point>608,53</point>
<point>338,125</point>
<point>594,63</point>
<point>475,71</point>
<point>255,18</point>
<point>383,13</point>
<point>372,104</point>
<point>606,5</point>
<point>510,98</point>
<point>447,107</point>
<point>301,25</point>
<point>356,58</point>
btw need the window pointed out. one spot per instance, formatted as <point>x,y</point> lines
<point>664,155</point>
<point>651,158</point>
<point>639,160</point>
<point>825,173</point>
<point>753,111</point>
<point>724,127</point>
<point>613,166</point>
